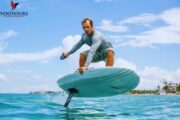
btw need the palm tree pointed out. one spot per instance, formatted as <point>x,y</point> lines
<point>166,88</point>
<point>178,88</point>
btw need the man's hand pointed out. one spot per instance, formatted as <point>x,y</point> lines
<point>81,69</point>
<point>64,55</point>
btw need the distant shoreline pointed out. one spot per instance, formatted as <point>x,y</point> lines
<point>134,92</point>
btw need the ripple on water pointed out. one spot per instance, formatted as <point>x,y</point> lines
<point>126,107</point>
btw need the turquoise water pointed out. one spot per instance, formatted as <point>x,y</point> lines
<point>123,107</point>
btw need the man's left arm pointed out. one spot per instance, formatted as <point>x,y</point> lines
<point>96,43</point>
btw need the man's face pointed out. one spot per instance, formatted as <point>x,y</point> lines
<point>88,29</point>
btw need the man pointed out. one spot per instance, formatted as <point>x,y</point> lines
<point>100,49</point>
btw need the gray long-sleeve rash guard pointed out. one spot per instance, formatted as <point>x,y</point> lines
<point>97,41</point>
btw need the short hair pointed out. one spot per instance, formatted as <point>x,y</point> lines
<point>87,19</point>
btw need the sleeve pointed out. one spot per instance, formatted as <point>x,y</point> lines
<point>94,47</point>
<point>76,46</point>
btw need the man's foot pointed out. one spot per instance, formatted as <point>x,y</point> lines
<point>82,69</point>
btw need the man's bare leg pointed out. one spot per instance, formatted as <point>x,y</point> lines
<point>82,60</point>
<point>110,58</point>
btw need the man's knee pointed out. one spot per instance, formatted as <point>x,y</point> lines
<point>82,56</point>
<point>110,58</point>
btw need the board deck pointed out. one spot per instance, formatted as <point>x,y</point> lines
<point>100,82</point>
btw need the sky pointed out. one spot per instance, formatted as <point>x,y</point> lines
<point>145,35</point>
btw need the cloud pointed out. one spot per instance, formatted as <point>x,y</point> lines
<point>122,26</point>
<point>107,25</point>
<point>44,56</point>
<point>168,33</point>
<point>2,77</point>
<point>161,36</point>
<point>151,77</point>
<point>69,41</point>
<point>142,19</point>
<point>125,64</point>
<point>5,36</point>
<point>119,62</point>
<point>171,17</point>
<point>24,57</point>
<point>8,34</point>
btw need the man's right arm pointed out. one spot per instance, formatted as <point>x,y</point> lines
<point>76,46</point>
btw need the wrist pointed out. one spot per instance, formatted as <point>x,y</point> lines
<point>68,53</point>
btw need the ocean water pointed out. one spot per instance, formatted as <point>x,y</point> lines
<point>122,107</point>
